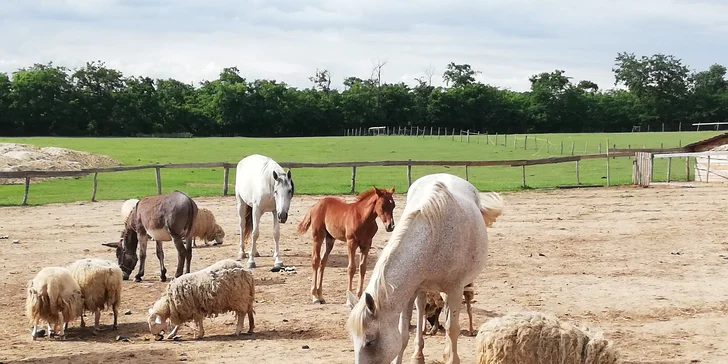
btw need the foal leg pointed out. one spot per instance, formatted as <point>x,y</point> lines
<point>181,255</point>
<point>364,253</point>
<point>453,302</point>
<point>329,246</point>
<point>142,255</point>
<point>420,303</point>
<point>351,269</point>
<point>160,256</point>
<point>254,235</point>
<point>242,210</point>
<point>315,266</point>
<point>277,262</point>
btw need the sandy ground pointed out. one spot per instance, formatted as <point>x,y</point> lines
<point>646,266</point>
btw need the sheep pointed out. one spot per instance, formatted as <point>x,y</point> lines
<point>206,228</point>
<point>222,287</point>
<point>533,337</point>
<point>54,297</point>
<point>435,304</point>
<point>100,283</point>
<point>127,207</point>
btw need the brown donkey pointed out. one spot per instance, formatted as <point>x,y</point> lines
<point>333,219</point>
<point>163,218</point>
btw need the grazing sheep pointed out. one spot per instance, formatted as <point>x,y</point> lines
<point>206,228</point>
<point>127,207</point>
<point>222,287</point>
<point>532,337</point>
<point>100,283</point>
<point>435,304</point>
<point>54,297</point>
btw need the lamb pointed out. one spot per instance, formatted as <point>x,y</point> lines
<point>222,287</point>
<point>54,297</point>
<point>127,207</point>
<point>206,228</point>
<point>533,337</point>
<point>435,304</point>
<point>100,283</point>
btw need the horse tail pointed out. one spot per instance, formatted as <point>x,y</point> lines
<point>305,224</point>
<point>248,223</point>
<point>491,207</point>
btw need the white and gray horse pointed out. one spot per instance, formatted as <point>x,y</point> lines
<point>440,244</point>
<point>261,186</point>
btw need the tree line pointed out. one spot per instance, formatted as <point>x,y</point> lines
<point>95,100</point>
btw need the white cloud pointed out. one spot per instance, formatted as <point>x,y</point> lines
<point>287,40</point>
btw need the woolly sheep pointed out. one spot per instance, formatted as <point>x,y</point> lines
<point>53,297</point>
<point>206,228</point>
<point>435,305</point>
<point>100,283</point>
<point>127,207</point>
<point>222,287</point>
<point>537,338</point>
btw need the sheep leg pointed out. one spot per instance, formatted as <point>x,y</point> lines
<point>83,323</point>
<point>62,333</point>
<point>200,328</point>
<point>50,330</point>
<point>142,255</point>
<point>315,267</point>
<point>181,256</point>
<point>116,315</point>
<point>277,262</point>
<point>452,305</point>
<point>97,318</point>
<point>35,330</point>
<point>251,321</point>
<point>351,269</point>
<point>329,246</point>
<point>162,267</point>
<point>254,236</point>
<point>242,210</point>
<point>241,322</point>
<point>173,332</point>
<point>434,321</point>
<point>420,303</point>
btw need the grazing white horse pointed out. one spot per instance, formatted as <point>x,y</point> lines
<point>440,244</point>
<point>261,186</point>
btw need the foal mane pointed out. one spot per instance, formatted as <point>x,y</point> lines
<point>432,210</point>
<point>364,195</point>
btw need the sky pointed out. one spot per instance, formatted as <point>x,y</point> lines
<point>508,41</point>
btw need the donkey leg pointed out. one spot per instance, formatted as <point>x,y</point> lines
<point>277,262</point>
<point>181,255</point>
<point>188,257</point>
<point>420,303</point>
<point>453,302</point>
<point>143,238</point>
<point>242,210</point>
<point>160,256</point>
<point>315,267</point>
<point>364,254</point>
<point>254,236</point>
<point>351,269</point>
<point>329,246</point>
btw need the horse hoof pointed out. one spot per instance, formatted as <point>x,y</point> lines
<point>417,360</point>
<point>251,265</point>
<point>319,301</point>
<point>137,279</point>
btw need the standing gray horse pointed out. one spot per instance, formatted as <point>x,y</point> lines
<point>163,218</point>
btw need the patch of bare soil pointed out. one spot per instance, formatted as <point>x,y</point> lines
<point>649,267</point>
<point>24,157</point>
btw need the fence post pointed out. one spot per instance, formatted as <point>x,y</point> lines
<point>562,147</point>
<point>600,148</point>
<point>468,136</point>
<point>525,142</point>
<point>669,166</point>
<point>466,172</point>
<point>572,148</point>
<point>93,194</point>
<point>438,132</point>
<point>607,146</point>
<point>548,146</point>
<point>159,181</point>
<point>353,179</point>
<point>25,194</point>
<point>687,169</point>
<point>577,172</point>
<point>225,179</point>
<point>505,139</point>
<point>707,171</point>
<point>409,174</point>
<point>523,175</point>
<point>515,140</point>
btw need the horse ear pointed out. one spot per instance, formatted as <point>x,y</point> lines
<point>353,299</point>
<point>275,175</point>
<point>369,300</point>
<point>288,173</point>
<point>392,190</point>
<point>376,190</point>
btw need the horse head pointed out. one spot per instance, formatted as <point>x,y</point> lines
<point>384,207</point>
<point>374,332</point>
<point>283,190</point>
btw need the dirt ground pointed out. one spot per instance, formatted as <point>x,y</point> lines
<point>647,266</point>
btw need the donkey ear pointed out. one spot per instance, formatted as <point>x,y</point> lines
<point>275,175</point>
<point>288,173</point>
<point>112,245</point>
<point>369,300</point>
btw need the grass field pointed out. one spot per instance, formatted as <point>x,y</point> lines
<point>201,182</point>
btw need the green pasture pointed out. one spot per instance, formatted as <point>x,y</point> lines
<point>206,182</point>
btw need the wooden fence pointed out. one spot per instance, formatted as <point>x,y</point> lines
<point>523,163</point>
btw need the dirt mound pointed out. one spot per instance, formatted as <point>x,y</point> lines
<point>24,157</point>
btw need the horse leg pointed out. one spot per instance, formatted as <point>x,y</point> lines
<point>420,303</point>
<point>315,266</point>
<point>364,253</point>
<point>453,301</point>
<point>277,262</point>
<point>242,210</point>
<point>160,256</point>
<point>142,255</point>
<point>329,246</point>
<point>351,269</point>
<point>181,255</point>
<point>254,235</point>
<point>468,305</point>
<point>188,251</point>
<point>404,323</point>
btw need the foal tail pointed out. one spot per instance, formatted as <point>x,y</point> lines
<point>305,224</point>
<point>491,207</point>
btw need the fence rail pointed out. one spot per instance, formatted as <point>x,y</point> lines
<point>29,174</point>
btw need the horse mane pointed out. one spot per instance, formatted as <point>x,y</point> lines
<point>432,210</point>
<point>366,194</point>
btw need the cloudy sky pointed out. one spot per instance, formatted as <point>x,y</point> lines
<point>507,40</point>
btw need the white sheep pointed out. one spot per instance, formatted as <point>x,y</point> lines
<point>54,297</point>
<point>127,207</point>
<point>206,228</point>
<point>222,287</point>
<point>533,337</point>
<point>100,283</point>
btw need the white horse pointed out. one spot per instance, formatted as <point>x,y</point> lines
<point>440,244</point>
<point>261,186</point>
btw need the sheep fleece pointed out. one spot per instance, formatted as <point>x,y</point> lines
<point>52,290</point>
<point>536,338</point>
<point>100,282</point>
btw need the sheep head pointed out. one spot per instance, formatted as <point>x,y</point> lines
<point>219,234</point>
<point>157,324</point>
